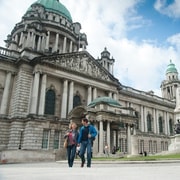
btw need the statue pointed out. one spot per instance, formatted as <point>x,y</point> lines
<point>177,127</point>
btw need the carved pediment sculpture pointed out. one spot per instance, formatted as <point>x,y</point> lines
<point>79,62</point>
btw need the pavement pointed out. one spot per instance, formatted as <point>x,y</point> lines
<point>113,170</point>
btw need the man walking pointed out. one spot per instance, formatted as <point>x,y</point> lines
<point>86,135</point>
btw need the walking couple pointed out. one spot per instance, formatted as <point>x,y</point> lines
<point>82,138</point>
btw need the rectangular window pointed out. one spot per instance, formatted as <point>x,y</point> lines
<point>162,145</point>
<point>150,146</point>
<point>56,140</point>
<point>121,145</point>
<point>166,146</point>
<point>45,139</point>
<point>141,146</point>
<point>155,146</point>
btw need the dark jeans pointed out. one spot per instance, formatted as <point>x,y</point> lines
<point>71,152</point>
<point>85,145</point>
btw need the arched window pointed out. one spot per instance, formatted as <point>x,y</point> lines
<point>160,125</point>
<point>149,123</point>
<point>76,101</point>
<point>50,102</point>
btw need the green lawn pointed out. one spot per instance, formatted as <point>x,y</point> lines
<point>140,158</point>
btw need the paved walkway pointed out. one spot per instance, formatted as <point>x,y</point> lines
<point>113,170</point>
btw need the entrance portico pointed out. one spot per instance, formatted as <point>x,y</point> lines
<point>107,117</point>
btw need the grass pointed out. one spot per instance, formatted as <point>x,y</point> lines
<point>140,158</point>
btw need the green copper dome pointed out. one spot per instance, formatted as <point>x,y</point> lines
<point>54,6</point>
<point>104,100</point>
<point>171,68</point>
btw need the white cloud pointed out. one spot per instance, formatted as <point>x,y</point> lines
<point>175,40</point>
<point>139,65</point>
<point>171,10</point>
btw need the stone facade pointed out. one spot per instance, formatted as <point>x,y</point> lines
<point>48,79</point>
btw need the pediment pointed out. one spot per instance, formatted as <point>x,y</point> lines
<point>80,62</point>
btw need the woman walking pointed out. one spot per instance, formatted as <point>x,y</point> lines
<point>72,137</point>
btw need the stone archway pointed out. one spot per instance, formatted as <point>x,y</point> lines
<point>76,114</point>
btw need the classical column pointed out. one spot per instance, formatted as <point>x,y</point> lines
<point>129,138</point>
<point>39,43</point>
<point>154,121</point>
<point>145,119</point>
<point>110,94</point>
<point>114,96</point>
<point>168,130</point>
<point>101,148</point>
<point>43,44</point>
<point>5,97</point>
<point>142,119</point>
<point>70,48</point>
<point>165,122</point>
<point>108,133</point>
<point>94,93</point>
<point>47,41</point>
<point>71,91</point>
<point>157,121</point>
<point>89,98</point>
<point>21,39</point>
<point>64,99</point>
<point>56,42</point>
<point>64,44</point>
<point>28,39</point>
<point>34,96</point>
<point>42,95</point>
<point>34,41</point>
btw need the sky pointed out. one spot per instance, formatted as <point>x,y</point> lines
<point>141,35</point>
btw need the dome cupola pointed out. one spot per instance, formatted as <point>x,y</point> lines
<point>53,6</point>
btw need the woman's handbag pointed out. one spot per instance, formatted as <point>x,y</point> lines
<point>65,142</point>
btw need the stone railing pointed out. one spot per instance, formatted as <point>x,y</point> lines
<point>8,53</point>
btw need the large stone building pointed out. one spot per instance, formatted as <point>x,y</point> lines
<point>47,79</point>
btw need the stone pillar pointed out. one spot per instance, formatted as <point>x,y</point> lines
<point>56,42</point>
<point>21,39</point>
<point>129,138</point>
<point>70,48</point>
<point>154,121</point>
<point>142,119</point>
<point>34,96</point>
<point>108,134</point>
<point>6,93</point>
<point>94,93</point>
<point>114,96</point>
<point>89,98</point>
<point>101,137</point>
<point>64,44</point>
<point>43,44</point>
<point>110,94</point>
<point>42,95</point>
<point>34,41</point>
<point>165,122</point>
<point>157,121</point>
<point>28,40</point>
<point>71,92</point>
<point>145,119</point>
<point>168,130</point>
<point>47,41</point>
<point>64,100</point>
<point>39,43</point>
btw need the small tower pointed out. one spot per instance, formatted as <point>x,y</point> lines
<point>169,86</point>
<point>106,61</point>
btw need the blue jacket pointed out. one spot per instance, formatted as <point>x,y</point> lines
<point>92,131</point>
